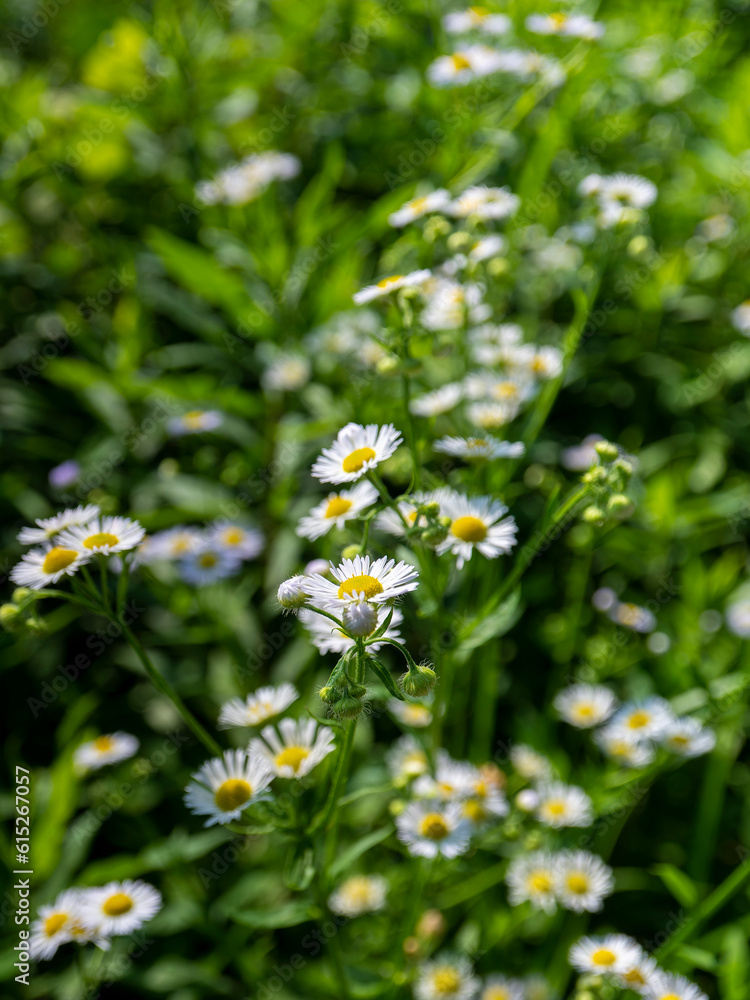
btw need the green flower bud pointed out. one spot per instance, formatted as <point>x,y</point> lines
<point>607,451</point>
<point>419,682</point>
<point>329,694</point>
<point>436,227</point>
<point>434,535</point>
<point>594,515</point>
<point>37,626</point>
<point>497,266</point>
<point>619,503</point>
<point>431,509</point>
<point>387,365</point>
<point>347,707</point>
<point>351,551</point>
<point>22,594</point>
<point>10,618</point>
<point>595,476</point>
<point>459,241</point>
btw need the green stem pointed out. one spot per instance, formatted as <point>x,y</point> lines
<point>63,595</point>
<point>103,582</point>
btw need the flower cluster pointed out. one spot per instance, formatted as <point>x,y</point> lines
<point>622,961</point>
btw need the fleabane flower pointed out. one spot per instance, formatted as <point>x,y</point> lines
<point>41,567</point>
<point>585,705</point>
<point>360,579</point>
<point>293,593</point>
<point>639,975</point>
<point>459,22</point>
<point>633,617</point>
<point>336,510</point>
<point>294,748</point>
<point>103,536</point>
<point>475,449</point>
<point>257,707</point>
<point>406,759</point>
<point>498,987</point>
<point>435,201</point>
<point>48,527</point>
<point>327,638</point>
<point>392,283</point>
<point>242,182</point>
<point>414,714</point>
<point>54,924</point>
<point>532,878</point>
<point>236,539</point>
<point>564,805</point>
<point>570,25</point>
<point>173,543</point>
<point>119,907</point>
<point>446,977</point>
<point>355,451</point>
<point>195,422</point>
<point>225,786</point>
<point>461,67</point>
<point>529,763</point>
<point>624,748</point>
<point>429,828</point>
<point>582,881</point>
<point>441,400</point>
<point>485,203</point>
<point>209,562</point>
<point>359,894</point>
<point>646,719</point>
<point>107,749</point>
<point>670,986</point>
<point>686,737</point>
<point>477,523</point>
<point>613,953</point>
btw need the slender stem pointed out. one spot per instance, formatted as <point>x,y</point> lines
<point>103,582</point>
<point>410,433</point>
<point>73,598</point>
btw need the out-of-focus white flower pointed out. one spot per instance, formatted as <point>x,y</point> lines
<point>336,510</point>
<point>242,182</point>
<point>485,203</point>
<point>613,953</point>
<point>570,25</point>
<point>429,828</point>
<point>475,449</point>
<point>435,201</point>
<point>531,878</point>
<point>564,805</point>
<point>737,617</point>
<point>460,22</point>
<point>104,750</point>
<point>287,373</point>
<point>441,400</point>
<point>392,283</point>
<point>686,737</point>
<point>585,705</point>
<point>359,894</point>
<point>257,707</point>
<point>195,422</point>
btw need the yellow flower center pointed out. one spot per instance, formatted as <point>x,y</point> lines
<point>469,529</point>
<point>478,13</point>
<point>54,923</point>
<point>638,720</point>
<point>620,748</point>
<point>355,461</point>
<point>540,882</point>
<point>193,418</point>
<point>416,714</point>
<point>604,957</point>
<point>476,443</point>
<point>233,536</point>
<point>99,539</point>
<point>496,993</point>
<point>669,996</point>
<point>118,904</point>
<point>460,62</point>
<point>337,505</point>
<point>417,204</point>
<point>208,560</point>
<point>584,711</point>
<point>578,883</point>
<point>389,281</point>
<point>415,763</point>
<point>635,976</point>
<point>358,890</point>
<point>555,808</point>
<point>363,584</point>
<point>628,614</point>
<point>505,390</point>
<point>559,19</point>
<point>679,741</point>
<point>57,559</point>
<point>292,757</point>
<point>434,827</point>
<point>474,810</point>
<point>446,980</point>
<point>103,743</point>
<point>232,794</point>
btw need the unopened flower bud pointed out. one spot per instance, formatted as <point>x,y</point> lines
<point>436,227</point>
<point>595,476</point>
<point>431,509</point>
<point>527,800</point>
<point>434,535</point>
<point>497,266</point>
<point>607,451</point>
<point>329,693</point>
<point>347,707</point>
<point>431,924</point>
<point>412,947</point>
<point>21,594</point>
<point>458,241</point>
<point>351,551</point>
<point>387,365</point>
<point>594,515</point>
<point>37,626</point>
<point>419,681</point>
<point>10,617</point>
<point>291,594</point>
<point>360,618</point>
<point>619,503</point>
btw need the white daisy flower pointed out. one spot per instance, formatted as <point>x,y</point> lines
<point>477,523</point>
<point>449,304</point>
<point>498,987</point>
<point>487,247</point>
<point>624,748</point>
<point>257,707</point>
<point>686,737</point>
<point>537,362</point>
<point>491,416</point>
<point>48,527</point>
<point>613,953</point>
<point>238,540</point>
<point>737,617</point>
<point>172,543</point>
<point>582,881</point>
<point>414,714</point>
<point>208,563</point>
<point>474,449</point>
<point>195,422</point>
<point>485,203</point>
<point>640,975</point>
<point>41,567</point>
<point>459,68</point>
<point>103,535</point>
<point>585,705</point>
<point>441,400</point>
<point>119,907</point>
<point>564,805</point>
<point>359,894</point>
<point>287,373</point>
<point>532,878</point>
<point>336,510</point>
<point>670,986</point>
<point>294,748</point>
<point>527,800</point>
<point>494,343</point>
<point>435,201</point>
<point>406,759</point>
<point>459,22</point>
<point>392,283</point>
<point>446,977</point>
<point>530,764</point>
<point>452,780</point>
<point>627,191</point>
<point>530,65</point>
<point>328,639</point>
<point>361,579</point>
<point>108,749</point>
<point>242,182</point>
<point>645,719</point>
<point>225,786</point>
<point>537,988</point>
<point>53,925</point>
<point>633,617</point>
<point>356,450</point>
<point>429,828</point>
<point>580,457</point>
<point>740,321</point>
<point>570,25</point>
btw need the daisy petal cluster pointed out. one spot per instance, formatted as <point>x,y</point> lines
<point>622,961</point>
<point>203,555</point>
<point>107,749</point>
<point>244,181</point>
<point>575,880</point>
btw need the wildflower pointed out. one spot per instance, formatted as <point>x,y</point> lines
<point>633,617</point>
<point>359,894</point>
<point>208,563</point>
<point>259,706</point>
<point>104,750</point>
<point>529,764</point>
<point>449,304</point>
<point>583,881</point>
<point>640,974</point>
<point>422,205</point>
<point>564,805</point>
<point>287,373</point>
<point>225,786</point>
<point>355,451</point>
<point>53,925</point>
<point>477,523</point>
<point>172,543</point>
<point>441,400</point>
<point>328,639</point>
<point>406,759</point>
<point>336,510</point>
<point>737,617</point>
<point>624,748</point>
<point>474,449</point>
<point>494,343</point>
<point>485,203</point>
<point>294,749</point>
<point>360,579</point>
<point>41,567</point>
<point>614,953</point>
<point>292,593</point>
<point>460,22</point>
<point>536,362</point>
<point>393,283</point>
<point>470,63</point>
<point>119,907</point>
<point>501,988</point>
<point>236,539</point>
<point>451,777</point>
<point>686,737</point>
<point>571,25</point>
<point>527,800</point>
<point>531,878</point>
<point>103,536</point>
<point>48,527</point>
<point>414,714</point>
<point>741,318</point>
<point>195,422</point>
<point>645,719</point>
<point>585,705</point>
<point>447,977</point>
<point>670,986</point>
<point>360,618</point>
<point>242,182</point>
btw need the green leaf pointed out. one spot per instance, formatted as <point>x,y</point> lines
<point>286,915</point>
<point>357,849</point>
<point>385,676</point>
<point>489,626</point>
<point>680,885</point>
